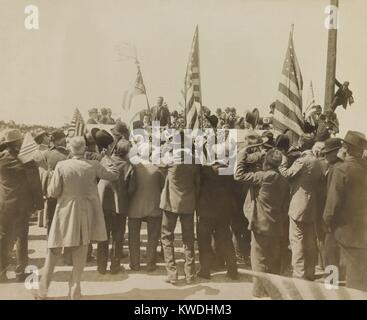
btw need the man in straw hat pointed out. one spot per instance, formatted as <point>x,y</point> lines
<point>345,212</point>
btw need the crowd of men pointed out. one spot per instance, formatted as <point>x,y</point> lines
<point>285,206</point>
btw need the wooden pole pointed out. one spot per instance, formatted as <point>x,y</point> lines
<point>331,57</point>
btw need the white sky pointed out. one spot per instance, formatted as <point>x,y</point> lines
<point>71,62</point>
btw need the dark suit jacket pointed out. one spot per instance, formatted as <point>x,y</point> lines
<point>162,115</point>
<point>20,188</point>
<point>346,206</point>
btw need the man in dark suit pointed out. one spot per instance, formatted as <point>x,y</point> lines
<point>57,152</point>
<point>161,113</point>
<point>343,96</point>
<point>20,195</point>
<point>345,213</point>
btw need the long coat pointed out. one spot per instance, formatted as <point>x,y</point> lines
<point>216,195</point>
<point>305,178</point>
<point>115,195</point>
<point>20,188</point>
<point>181,189</point>
<point>346,206</point>
<point>78,216</point>
<point>146,198</point>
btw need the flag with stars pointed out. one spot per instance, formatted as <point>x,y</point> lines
<point>77,125</point>
<point>192,89</point>
<point>135,88</point>
<point>288,107</point>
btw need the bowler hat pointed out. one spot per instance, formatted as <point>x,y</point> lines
<point>57,135</point>
<point>102,138</point>
<point>332,144</point>
<point>10,135</point>
<point>356,139</point>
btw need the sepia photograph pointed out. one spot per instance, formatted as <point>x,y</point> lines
<point>184,155</point>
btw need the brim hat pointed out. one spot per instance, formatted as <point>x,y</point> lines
<point>332,144</point>
<point>39,133</point>
<point>102,138</point>
<point>10,135</point>
<point>57,135</point>
<point>356,139</point>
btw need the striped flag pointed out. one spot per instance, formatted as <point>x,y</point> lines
<point>136,87</point>
<point>77,125</point>
<point>288,106</point>
<point>192,89</point>
<point>28,149</point>
<point>311,109</point>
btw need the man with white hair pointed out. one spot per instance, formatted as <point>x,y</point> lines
<point>78,218</point>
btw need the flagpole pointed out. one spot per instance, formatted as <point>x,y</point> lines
<point>141,74</point>
<point>331,59</point>
<point>201,102</point>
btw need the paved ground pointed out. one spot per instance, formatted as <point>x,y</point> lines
<point>142,286</point>
<point>127,285</point>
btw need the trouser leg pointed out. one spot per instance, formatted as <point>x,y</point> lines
<point>154,232</point>
<point>117,230</point>
<point>356,267</point>
<point>226,246</point>
<point>169,220</point>
<point>21,237</point>
<point>205,231</point>
<point>134,242</point>
<point>188,239</point>
<point>311,251</point>
<point>102,247</point>
<point>265,258</point>
<point>51,207</point>
<point>79,257</point>
<point>52,257</point>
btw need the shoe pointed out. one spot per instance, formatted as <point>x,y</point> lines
<point>37,295</point>
<point>204,275</point>
<point>21,277</point>
<point>3,277</point>
<point>232,275</point>
<point>171,280</point>
<point>102,270</point>
<point>115,269</point>
<point>134,268</point>
<point>191,280</point>
<point>151,268</point>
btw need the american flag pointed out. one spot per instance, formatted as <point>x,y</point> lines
<point>136,87</point>
<point>192,90</point>
<point>288,106</point>
<point>28,149</point>
<point>312,108</point>
<point>77,125</point>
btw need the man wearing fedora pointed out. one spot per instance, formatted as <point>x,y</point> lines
<point>331,151</point>
<point>20,195</point>
<point>57,153</point>
<point>345,212</point>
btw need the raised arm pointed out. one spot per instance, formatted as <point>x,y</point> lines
<point>107,170</point>
<point>293,170</point>
<point>242,175</point>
